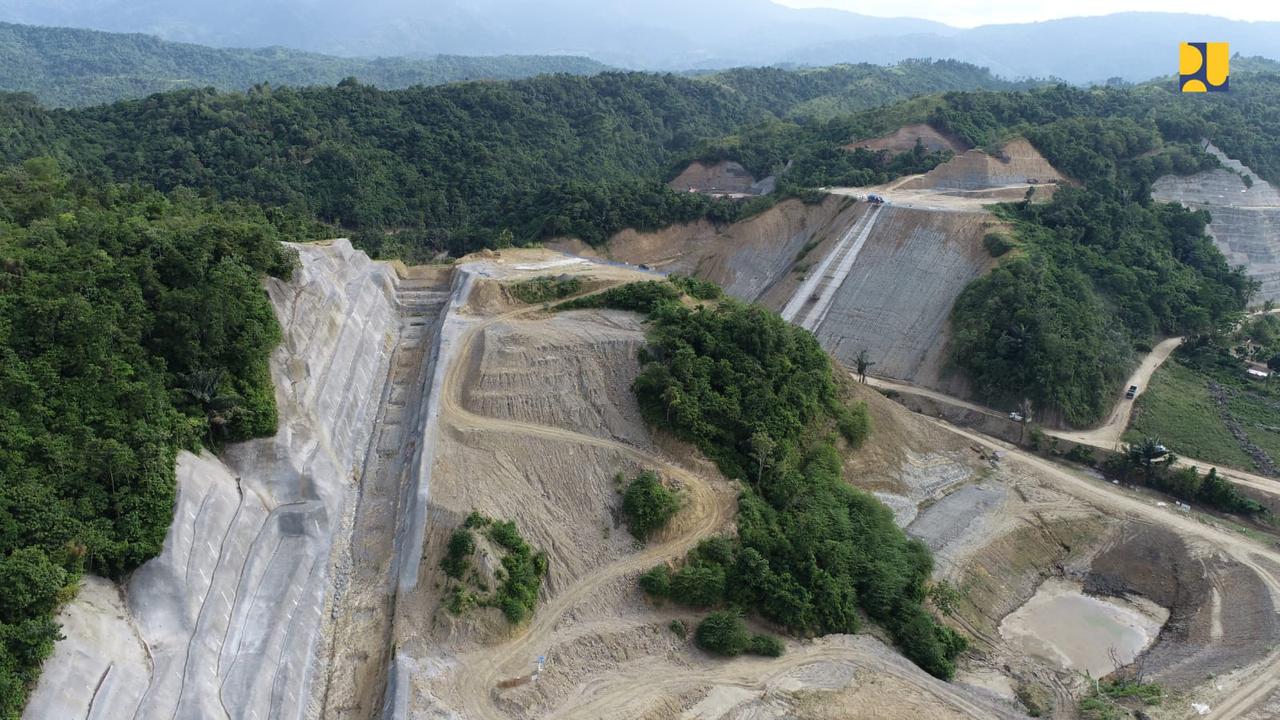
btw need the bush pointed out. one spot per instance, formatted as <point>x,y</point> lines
<point>766,645</point>
<point>696,288</point>
<point>723,633</point>
<point>699,584</point>
<point>457,557</point>
<point>997,244</point>
<point>855,424</point>
<point>657,581</point>
<point>647,505</point>
<point>545,288</point>
<point>679,628</point>
<point>641,297</point>
<point>1081,454</point>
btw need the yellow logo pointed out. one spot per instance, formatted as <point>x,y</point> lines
<point>1202,67</point>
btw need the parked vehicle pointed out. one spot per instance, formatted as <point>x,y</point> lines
<point>1131,393</point>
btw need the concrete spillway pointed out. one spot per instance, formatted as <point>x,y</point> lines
<point>888,286</point>
<point>280,557</point>
<point>810,304</point>
<point>1246,218</point>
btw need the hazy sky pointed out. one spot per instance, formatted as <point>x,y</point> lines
<point>967,13</point>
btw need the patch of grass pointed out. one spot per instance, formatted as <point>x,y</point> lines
<point>1118,700</point>
<point>1176,408</point>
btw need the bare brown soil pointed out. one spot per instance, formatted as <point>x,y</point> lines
<point>904,139</point>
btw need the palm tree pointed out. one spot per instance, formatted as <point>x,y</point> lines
<point>1144,454</point>
<point>863,363</point>
<point>205,387</point>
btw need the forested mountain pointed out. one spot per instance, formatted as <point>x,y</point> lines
<point>132,325</point>
<point>665,34</point>
<point>648,34</point>
<point>452,167</point>
<point>1133,46</point>
<point>66,67</point>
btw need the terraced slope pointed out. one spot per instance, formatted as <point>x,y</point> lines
<point>1246,216</point>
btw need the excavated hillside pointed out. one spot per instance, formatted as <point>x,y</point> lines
<point>274,537</point>
<point>723,178</point>
<point>905,138</point>
<point>1017,163</point>
<point>301,577</point>
<point>1246,216</point>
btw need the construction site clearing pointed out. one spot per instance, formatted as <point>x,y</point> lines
<point>412,397</point>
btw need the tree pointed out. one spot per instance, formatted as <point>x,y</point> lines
<point>648,505</point>
<point>762,447</point>
<point>863,363</point>
<point>723,632</point>
<point>1144,454</point>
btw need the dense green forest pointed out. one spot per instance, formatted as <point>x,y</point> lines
<point>66,67</point>
<point>758,396</point>
<point>461,166</point>
<point>1103,269</point>
<point>826,92</point>
<point>132,325</point>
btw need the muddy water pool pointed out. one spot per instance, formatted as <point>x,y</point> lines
<point>1075,631</point>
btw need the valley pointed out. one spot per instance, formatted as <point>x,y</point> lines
<point>748,393</point>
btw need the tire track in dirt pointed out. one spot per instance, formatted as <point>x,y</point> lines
<point>1244,551</point>
<point>602,697</point>
<point>706,512</point>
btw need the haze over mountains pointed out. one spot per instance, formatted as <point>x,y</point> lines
<point>662,34</point>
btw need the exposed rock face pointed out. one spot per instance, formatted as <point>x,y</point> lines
<point>1246,220</point>
<point>231,615</point>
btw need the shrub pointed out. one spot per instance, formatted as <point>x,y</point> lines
<point>855,424</point>
<point>648,505</point>
<point>657,581</point>
<point>505,534</point>
<point>723,633</point>
<point>545,288</point>
<point>696,288</point>
<point>1081,454</point>
<point>766,645</point>
<point>679,628</point>
<point>457,557</point>
<point>997,244</point>
<point>641,297</point>
<point>699,584</point>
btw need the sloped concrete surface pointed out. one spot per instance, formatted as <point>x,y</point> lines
<point>231,613</point>
<point>896,298</point>
<point>1246,219</point>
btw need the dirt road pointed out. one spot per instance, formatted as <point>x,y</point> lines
<point>705,513</point>
<point>1108,434</point>
<point>1254,689</point>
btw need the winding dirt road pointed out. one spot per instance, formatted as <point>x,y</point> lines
<point>705,512</point>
